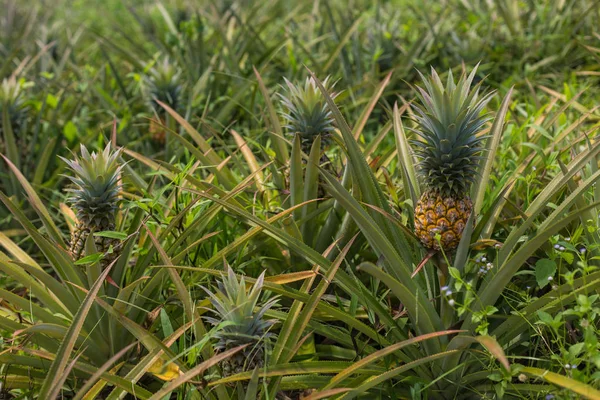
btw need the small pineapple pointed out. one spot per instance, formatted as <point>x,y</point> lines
<point>449,119</point>
<point>384,37</point>
<point>157,132</point>
<point>307,115</point>
<point>12,100</point>
<point>242,318</point>
<point>95,198</point>
<point>306,112</point>
<point>163,83</point>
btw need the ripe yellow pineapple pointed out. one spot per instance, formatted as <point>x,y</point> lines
<point>95,198</point>
<point>449,119</point>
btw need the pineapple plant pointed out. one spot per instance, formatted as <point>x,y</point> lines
<point>95,198</point>
<point>307,115</point>
<point>449,120</point>
<point>241,316</point>
<point>12,101</point>
<point>163,83</point>
<point>306,112</point>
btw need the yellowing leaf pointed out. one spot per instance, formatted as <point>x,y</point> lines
<point>166,372</point>
<point>291,277</point>
<point>580,388</point>
<point>307,350</point>
<point>70,217</point>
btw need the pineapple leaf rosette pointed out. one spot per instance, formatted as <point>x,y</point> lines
<point>163,83</point>
<point>449,122</point>
<point>240,318</point>
<point>306,112</point>
<point>12,99</point>
<point>95,198</point>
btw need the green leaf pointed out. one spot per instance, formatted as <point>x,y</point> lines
<point>252,388</point>
<point>544,269</point>
<point>297,368</point>
<point>296,181</point>
<point>392,373</point>
<point>545,317</point>
<point>276,133</point>
<point>70,131</point>
<point>311,305</point>
<point>406,160</point>
<point>311,186</point>
<point>92,258</point>
<point>37,204</point>
<point>51,100</point>
<point>370,189</point>
<point>378,355</point>
<point>83,391</point>
<point>492,144</point>
<point>111,235</point>
<point>50,388</point>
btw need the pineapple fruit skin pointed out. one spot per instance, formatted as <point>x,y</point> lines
<point>444,215</point>
<point>157,132</point>
<point>80,235</point>
<point>245,360</point>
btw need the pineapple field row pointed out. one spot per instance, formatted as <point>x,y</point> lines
<point>285,200</point>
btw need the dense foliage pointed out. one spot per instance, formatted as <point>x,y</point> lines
<point>299,199</point>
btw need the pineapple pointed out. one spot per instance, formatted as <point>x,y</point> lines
<point>242,316</point>
<point>449,119</point>
<point>12,100</point>
<point>95,198</point>
<point>163,84</point>
<point>306,114</point>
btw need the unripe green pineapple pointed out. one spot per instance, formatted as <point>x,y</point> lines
<point>163,83</point>
<point>449,118</point>
<point>306,112</point>
<point>243,322</point>
<point>95,198</point>
<point>11,100</point>
<point>307,115</point>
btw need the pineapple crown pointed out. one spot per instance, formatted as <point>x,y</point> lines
<point>11,98</point>
<point>306,111</point>
<point>448,121</point>
<point>163,83</point>
<point>96,183</point>
<point>235,309</point>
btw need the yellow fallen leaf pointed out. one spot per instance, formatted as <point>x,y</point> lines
<point>166,372</point>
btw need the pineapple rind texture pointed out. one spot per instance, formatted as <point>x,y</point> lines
<point>444,215</point>
<point>158,134</point>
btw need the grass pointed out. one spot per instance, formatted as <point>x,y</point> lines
<point>216,190</point>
